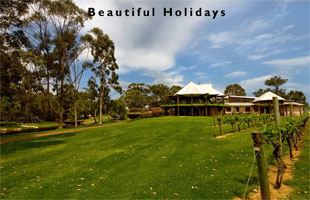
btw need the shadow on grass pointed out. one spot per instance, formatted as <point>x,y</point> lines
<point>9,148</point>
<point>239,192</point>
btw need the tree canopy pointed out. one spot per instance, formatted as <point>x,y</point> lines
<point>234,89</point>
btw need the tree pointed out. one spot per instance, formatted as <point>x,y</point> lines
<point>118,109</point>
<point>296,96</point>
<point>93,95</point>
<point>158,93</point>
<point>174,89</point>
<point>276,82</point>
<point>12,40</point>
<point>137,95</point>
<point>260,92</point>
<point>102,50</point>
<point>235,89</point>
<point>53,29</point>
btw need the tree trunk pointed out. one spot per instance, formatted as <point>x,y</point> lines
<point>289,146</point>
<point>95,116</point>
<point>75,114</point>
<point>102,87</point>
<point>100,104</point>
<point>60,126</point>
<point>61,100</point>
<point>278,156</point>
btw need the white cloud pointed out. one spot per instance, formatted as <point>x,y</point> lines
<point>149,43</point>
<point>201,75</point>
<point>168,78</point>
<point>188,68</point>
<point>260,56</point>
<point>258,24</point>
<point>255,83</point>
<point>291,62</point>
<point>235,74</point>
<point>256,57</point>
<point>218,64</point>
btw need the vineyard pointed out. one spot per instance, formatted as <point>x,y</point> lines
<point>242,121</point>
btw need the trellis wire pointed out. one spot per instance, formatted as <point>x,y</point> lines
<point>246,187</point>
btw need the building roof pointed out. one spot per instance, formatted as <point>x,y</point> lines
<point>268,97</point>
<point>194,89</point>
<point>240,104</point>
<point>241,97</point>
<point>293,103</point>
<point>210,90</point>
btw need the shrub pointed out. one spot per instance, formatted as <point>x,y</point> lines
<point>157,112</point>
<point>146,115</point>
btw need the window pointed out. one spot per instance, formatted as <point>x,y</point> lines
<point>237,109</point>
<point>247,109</point>
<point>228,109</point>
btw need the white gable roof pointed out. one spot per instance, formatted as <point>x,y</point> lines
<point>268,97</point>
<point>191,88</point>
<point>210,90</point>
<point>194,89</point>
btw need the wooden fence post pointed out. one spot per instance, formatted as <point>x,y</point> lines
<point>261,164</point>
<point>276,109</point>
<point>291,110</point>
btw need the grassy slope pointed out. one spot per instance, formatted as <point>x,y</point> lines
<point>301,178</point>
<point>169,155</point>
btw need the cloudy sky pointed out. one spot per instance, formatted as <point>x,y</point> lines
<point>254,41</point>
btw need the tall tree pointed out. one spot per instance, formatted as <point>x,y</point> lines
<point>174,89</point>
<point>158,93</point>
<point>276,82</point>
<point>260,92</point>
<point>235,89</point>
<point>93,95</point>
<point>12,41</point>
<point>137,95</point>
<point>296,96</point>
<point>102,50</point>
<point>53,27</point>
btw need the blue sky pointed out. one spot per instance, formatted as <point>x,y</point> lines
<point>253,42</point>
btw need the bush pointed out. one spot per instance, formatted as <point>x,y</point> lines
<point>146,115</point>
<point>118,110</point>
<point>157,112</point>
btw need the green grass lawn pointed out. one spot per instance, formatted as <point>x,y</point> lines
<point>54,124</point>
<point>168,157</point>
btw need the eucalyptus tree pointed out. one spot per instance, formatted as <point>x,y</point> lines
<point>104,64</point>
<point>53,28</point>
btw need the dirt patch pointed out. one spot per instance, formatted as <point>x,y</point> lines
<point>228,134</point>
<point>54,133</point>
<point>232,133</point>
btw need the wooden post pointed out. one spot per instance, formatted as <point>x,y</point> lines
<point>206,110</point>
<point>178,102</point>
<point>261,164</point>
<point>220,125</point>
<point>192,108</point>
<point>291,110</point>
<point>300,112</point>
<point>276,109</point>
